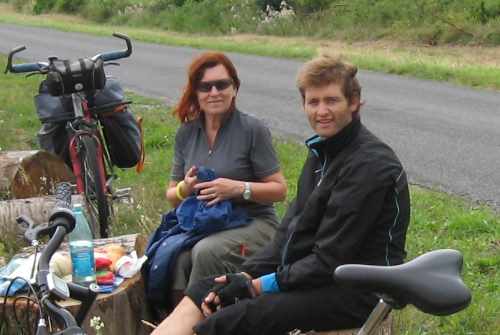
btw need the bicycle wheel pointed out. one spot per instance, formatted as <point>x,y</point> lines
<point>93,180</point>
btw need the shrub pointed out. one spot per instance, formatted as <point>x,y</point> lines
<point>493,38</point>
<point>103,10</point>
<point>20,5</point>
<point>274,4</point>
<point>69,6</point>
<point>42,6</point>
<point>193,16</point>
<point>485,11</point>
<point>166,4</point>
<point>428,21</point>
<point>311,6</point>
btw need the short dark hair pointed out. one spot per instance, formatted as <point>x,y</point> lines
<point>325,70</point>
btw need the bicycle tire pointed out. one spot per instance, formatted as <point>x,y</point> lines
<point>93,180</point>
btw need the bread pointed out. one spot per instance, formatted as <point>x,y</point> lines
<point>114,252</point>
<point>60,264</point>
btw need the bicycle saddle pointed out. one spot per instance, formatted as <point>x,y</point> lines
<point>430,282</point>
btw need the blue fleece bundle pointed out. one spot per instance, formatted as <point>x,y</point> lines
<point>179,230</point>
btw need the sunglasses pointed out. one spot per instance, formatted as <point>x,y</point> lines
<point>220,85</point>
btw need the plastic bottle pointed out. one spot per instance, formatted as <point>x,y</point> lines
<point>81,247</point>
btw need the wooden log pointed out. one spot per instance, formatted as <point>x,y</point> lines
<point>26,174</point>
<point>38,209</point>
<point>121,312</point>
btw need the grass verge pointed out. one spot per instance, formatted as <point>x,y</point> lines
<point>438,220</point>
<point>470,66</point>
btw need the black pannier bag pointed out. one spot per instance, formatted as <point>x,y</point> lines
<point>121,131</point>
<point>53,137</point>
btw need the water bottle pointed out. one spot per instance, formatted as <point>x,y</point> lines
<point>81,247</point>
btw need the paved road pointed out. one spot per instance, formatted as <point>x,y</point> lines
<point>448,137</point>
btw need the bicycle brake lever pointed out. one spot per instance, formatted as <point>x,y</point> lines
<point>111,63</point>
<point>27,226</point>
<point>24,222</point>
<point>33,232</point>
<point>34,74</point>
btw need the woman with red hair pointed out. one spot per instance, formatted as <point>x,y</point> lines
<point>238,147</point>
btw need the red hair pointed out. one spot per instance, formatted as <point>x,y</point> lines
<point>188,108</point>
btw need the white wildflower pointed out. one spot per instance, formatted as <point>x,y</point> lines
<point>97,324</point>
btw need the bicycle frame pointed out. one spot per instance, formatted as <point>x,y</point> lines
<point>81,109</point>
<point>375,319</point>
<point>85,126</point>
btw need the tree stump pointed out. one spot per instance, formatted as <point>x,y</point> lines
<point>25,174</point>
<point>121,311</point>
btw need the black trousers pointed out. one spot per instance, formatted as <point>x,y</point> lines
<point>319,309</point>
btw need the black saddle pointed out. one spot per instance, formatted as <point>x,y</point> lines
<point>430,282</point>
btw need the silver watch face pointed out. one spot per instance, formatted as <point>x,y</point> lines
<point>247,193</point>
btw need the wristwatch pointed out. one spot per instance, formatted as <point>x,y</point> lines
<point>247,193</point>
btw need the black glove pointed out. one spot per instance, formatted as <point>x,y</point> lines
<point>237,287</point>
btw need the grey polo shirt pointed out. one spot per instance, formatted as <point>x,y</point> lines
<point>242,150</point>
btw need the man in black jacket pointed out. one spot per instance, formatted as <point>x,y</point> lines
<point>352,206</point>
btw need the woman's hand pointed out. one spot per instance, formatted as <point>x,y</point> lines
<point>190,180</point>
<point>186,187</point>
<point>219,189</point>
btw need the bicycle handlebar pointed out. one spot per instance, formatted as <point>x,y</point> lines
<point>18,68</point>
<point>61,222</point>
<point>63,196</point>
<point>114,55</point>
<point>43,66</point>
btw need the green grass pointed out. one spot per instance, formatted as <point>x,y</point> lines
<point>470,75</point>
<point>403,62</point>
<point>438,220</point>
<point>441,221</point>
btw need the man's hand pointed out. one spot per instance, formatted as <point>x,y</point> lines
<point>228,290</point>
<point>219,189</point>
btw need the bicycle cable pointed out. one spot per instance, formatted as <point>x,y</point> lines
<point>28,312</point>
<point>31,289</point>
<point>4,304</point>
<point>35,244</point>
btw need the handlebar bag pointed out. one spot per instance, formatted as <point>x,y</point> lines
<point>65,77</point>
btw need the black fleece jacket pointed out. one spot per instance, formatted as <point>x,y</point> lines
<point>352,206</point>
